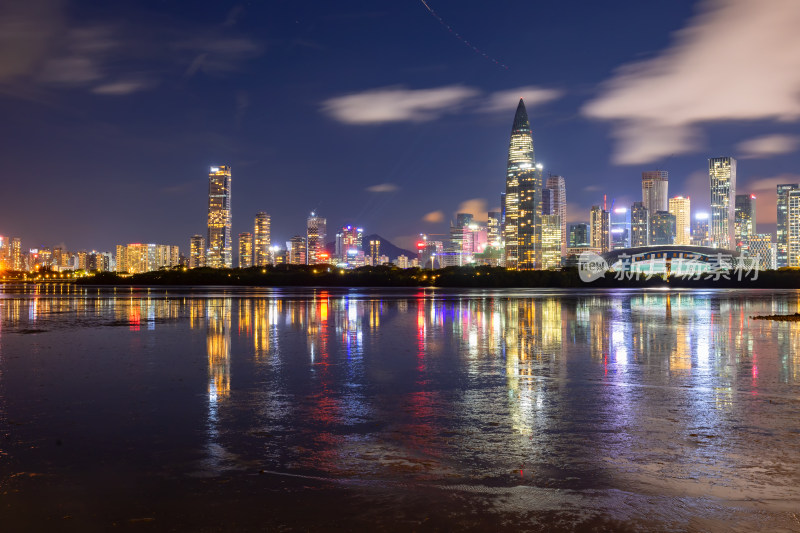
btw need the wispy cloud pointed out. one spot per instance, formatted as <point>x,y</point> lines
<point>383,187</point>
<point>768,146</point>
<point>218,55</point>
<point>123,87</point>
<point>400,104</point>
<point>736,60</point>
<point>433,217</point>
<point>397,104</point>
<point>475,207</point>
<point>508,100</point>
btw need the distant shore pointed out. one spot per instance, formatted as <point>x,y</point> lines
<point>456,277</point>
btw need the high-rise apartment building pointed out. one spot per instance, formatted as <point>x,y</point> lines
<point>219,253</point>
<point>579,235</point>
<point>700,233</point>
<point>655,187</point>
<point>245,250</point>
<point>261,240</point>
<point>793,228</point>
<point>783,235</point>
<point>348,242</point>
<point>640,225</point>
<point>620,228</point>
<point>722,177</point>
<point>374,251</point>
<point>744,218</point>
<point>760,247</point>
<point>16,254</point>
<point>558,206</point>
<point>494,227</point>
<point>551,241</point>
<point>600,226</point>
<point>522,196</point>
<point>296,250</point>
<point>137,258</point>
<point>197,251</point>
<point>316,232</point>
<point>662,228</point>
<point>681,208</point>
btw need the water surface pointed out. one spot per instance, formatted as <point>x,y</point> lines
<point>222,408</point>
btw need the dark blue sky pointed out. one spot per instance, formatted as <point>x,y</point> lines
<point>374,113</point>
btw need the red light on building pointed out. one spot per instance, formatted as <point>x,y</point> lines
<point>421,244</point>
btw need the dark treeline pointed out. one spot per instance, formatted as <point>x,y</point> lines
<point>390,276</point>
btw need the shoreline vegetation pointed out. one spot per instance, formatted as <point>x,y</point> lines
<point>454,277</point>
<point>780,318</point>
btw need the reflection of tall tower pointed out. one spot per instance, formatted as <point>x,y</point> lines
<point>520,187</point>
<point>722,175</point>
<point>218,345</point>
<point>219,253</point>
<point>261,239</point>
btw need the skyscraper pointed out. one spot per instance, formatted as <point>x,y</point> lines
<point>662,228</point>
<point>640,225</point>
<point>245,250</point>
<point>261,240</point>
<point>558,185</point>
<point>16,254</point>
<point>219,253</point>
<point>551,241</point>
<point>520,178</point>
<point>793,228</point>
<point>197,251</point>
<point>722,176</point>
<point>620,228</point>
<point>494,229</point>
<point>296,250</point>
<point>744,218</point>
<point>316,232</point>
<point>600,225</point>
<point>655,185</point>
<point>783,235</point>
<point>681,208</point>
<point>579,235</point>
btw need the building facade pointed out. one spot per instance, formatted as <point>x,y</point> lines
<point>681,208</point>
<point>316,233</point>
<point>722,178</point>
<point>793,228</point>
<point>197,251</point>
<point>558,186</point>
<point>600,227</point>
<point>261,240</point>
<point>662,228</point>
<point>782,228</point>
<point>655,188</point>
<point>744,218</point>
<point>220,248</point>
<point>551,241</point>
<point>640,225</point>
<point>296,250</point>
<point>245,250</point>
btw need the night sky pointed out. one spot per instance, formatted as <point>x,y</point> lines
<point>375,113</point>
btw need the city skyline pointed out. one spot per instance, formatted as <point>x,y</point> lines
<point>141,122</point>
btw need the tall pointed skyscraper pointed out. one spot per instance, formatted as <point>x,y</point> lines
<point>523,197</point>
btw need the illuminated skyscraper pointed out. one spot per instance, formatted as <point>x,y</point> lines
<point>655,186</point>
<point>681,208</point>
<point>722,176</point>
<point>523,196</point>
<point>700,233</point>
<point>296,250</point>
<point>551,241</point>
<point>783,235</point>
<point>640,225</point>
<point>219,253</point>
<point>744,218</point>
<point>348,242</point>
<point>620,228</point>
<point>245,250</point>
<point>759,246</point>
<point>261,240</point>
<point>316,232</point>
<point>16,254</point>
<point>600,226</point>
<point>579,235</point>
<point>197,251</point>
<point>662,228</point>
<point>374,251</point>
<point>793,228</point>
<point>558,205</point>
<point>494,229</point>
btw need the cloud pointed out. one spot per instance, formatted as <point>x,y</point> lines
<point>767,146</point>
<point>736,60</point>
<point>475,207</point>
<point>218,55</point>
<point>383,187</point>
<point>508,100</point>
<point>27,32</point>
<point>433,217</point>
<point>397,104</point>
<point>121,88</point>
